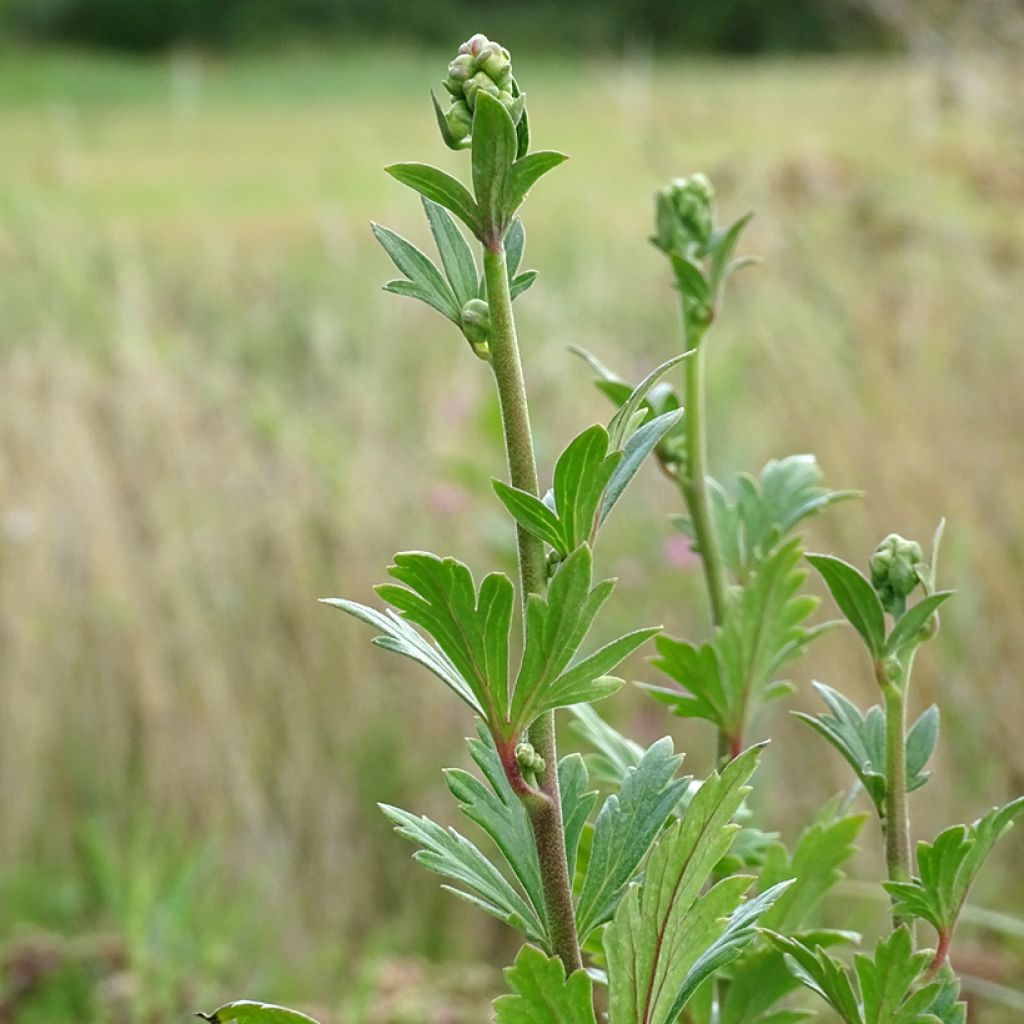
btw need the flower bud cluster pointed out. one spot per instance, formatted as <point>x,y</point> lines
<point>897,567</point>
<point>529,760</point>
<point>481,66</point>
<point>685,215</point>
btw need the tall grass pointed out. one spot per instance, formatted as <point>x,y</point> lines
<point>210,416</point>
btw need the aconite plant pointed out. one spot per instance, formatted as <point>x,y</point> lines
<point>663,901</point>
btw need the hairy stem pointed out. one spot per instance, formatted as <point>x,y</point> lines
<point>546,815</point>
<point>695,493</point>
<point>897,820</point>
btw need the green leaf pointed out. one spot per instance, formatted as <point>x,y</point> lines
<point>738,934</point>
<point>720,250</point>
<point>531,514</point>
<point>892,990</point>
<point>543,994</point>
<point>860,738</point>
<point>441,188</point>
<point>515,243</point>
<point>526,172</point>
<point>913,620</point>
<point>948,867</point>
<point>456,255</point>
<point>501,814</point>
<point>765,509</point>
<point>815,865</point>
<point>474,877</point>
<point>761,633</point>
<point>577,803</point>
<point>663,926</point>
<point>429,283</point>
<point>471,628</point>
<point>246,1012</point>
<point>856,599</point>
<point>494,150</point>
<point>556,626</point>
<point>521,282</point>
<point>635,453</point>
<point>581,478</point>
<point>628,824</point>
<point>617,427</point>
<point>398,636</point>
<point>615,754</point>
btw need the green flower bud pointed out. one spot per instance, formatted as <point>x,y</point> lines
<point>474,44</point>
<point>478,82</point>
<point>529,760</point>
<point>496,63</point>
<point>459,120</point>
<point>897,567</point>
<point>462,68</point>
<point>687,209</point>
<point>475,321</point>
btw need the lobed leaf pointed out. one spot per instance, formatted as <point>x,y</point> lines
<point>543,994</point>
<point>625,829</point>
<point>426,282</point>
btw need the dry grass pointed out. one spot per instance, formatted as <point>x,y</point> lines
<point>210,416</point>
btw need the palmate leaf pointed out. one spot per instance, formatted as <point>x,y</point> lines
<point>860,738</point>
<point>665,925</point>
<point>948,867</point>
<point>247,1012</point>
<point>556,626</point>
<point>765,509</point>
<point>473,876</point>
<point>762,632</point>
<point>543,994</point>
<point>893,985</point>
<point>625,829</point>
<point>759,979</point>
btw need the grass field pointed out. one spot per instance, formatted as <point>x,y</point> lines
<point>210,416</point>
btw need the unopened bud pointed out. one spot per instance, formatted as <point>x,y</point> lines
<point>528,759</point>
<point>479,82</point>
<point>896,568</point>
<point>496,64</point>
<point>475,321</point>
<point>462,68</point>
<point>459,120</point>
<point>474,44</point>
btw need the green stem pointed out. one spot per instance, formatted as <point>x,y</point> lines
<point>897,820</point>
<point>546,815</point>
<point>694,487</point>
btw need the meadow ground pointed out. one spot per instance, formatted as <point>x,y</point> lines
<point>210,415</point>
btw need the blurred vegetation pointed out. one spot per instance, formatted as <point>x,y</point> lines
<point>210,415</point>
<point>736,26</point>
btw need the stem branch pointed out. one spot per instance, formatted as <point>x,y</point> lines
<point>545,816</point>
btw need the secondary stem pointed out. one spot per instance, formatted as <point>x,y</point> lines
<point>546,816</point>
<point>897,821</point>
<point>695,493</point>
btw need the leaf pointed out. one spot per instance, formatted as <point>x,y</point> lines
<point>616,753</point>
<point>913,620</point>
<point>442,123</point>
<point>892,990</point>
<point>475,878</point>
<point>246,1012</point>
<point>456,255</point>
<point>398,636</point>
<point>501,814</point>
<point>470,627</point>
<point>530,513</point>
<point>761,633</point>
<point>636,450</point>
<point>526,172</point>
<point>664,925</point>
<point>493,150</point>
<point>765,509</point>
<point>521,282</point>
<point>515,243</point>
<point>556,626</point>
<point>627,825</point>
<point>948,867</point>
<point>738,934</point>
<point>429,283</point>
<point>856,599</point>
<point>634,401</point>
<point>581,478</point>
<point>441,188</point>
<point>543,994</point>
<point>815,865</point>
<point>860,738</point>
<point>577,803</point>
<point>721,248</point>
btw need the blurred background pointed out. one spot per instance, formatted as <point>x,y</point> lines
<point>210,415</point>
